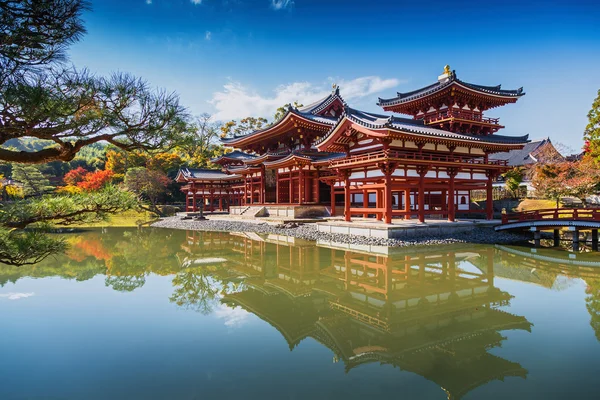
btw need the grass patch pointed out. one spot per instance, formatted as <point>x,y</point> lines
<point>125,219</point>
<point>534,204</point>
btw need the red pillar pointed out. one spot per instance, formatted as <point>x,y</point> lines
<point>379,204</point>
<point>187,200</point>
<point>333,198</point>
<point>388,195</point>
<point>365,202</point>
<point>316,189</point>
<point>421,198</point>
<point>211,200</point>
<point>262,184</point>
<point>407,204</point>
<point>277,186</point>
<point>451,196</point>
<point>251,188</point>
<point>221,202</point>
<point>291,188</point>
<point>489,201</point>
<point>300,184</point>
<point>347,197</point>
<point>194,201</point>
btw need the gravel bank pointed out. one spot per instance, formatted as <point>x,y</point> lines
<point>309,232</point>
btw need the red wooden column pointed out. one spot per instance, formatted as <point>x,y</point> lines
<point>300,184</point>
<point>251,188</point>
<point>187,200</point>
<point>194,200</point>
<point>489,201</point>
<point>291,194</point>
<point>407,204</point>
<point>333,198</point>
<point>379,204</point>
<point>262,185</point>
<point>316,189</point>
<point>451,194</point>
<point>365,202</point>
<point>277,186</point>
<point>421,198</point>
<point>347,216</point>
<point>221,202</point>
<point>388,169</point>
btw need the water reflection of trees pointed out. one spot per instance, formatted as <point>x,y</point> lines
<point>364,307</point>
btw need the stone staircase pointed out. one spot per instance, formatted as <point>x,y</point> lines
<point>254,212</point>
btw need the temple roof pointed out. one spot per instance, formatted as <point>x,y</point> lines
<point>234,155</point>
<point>384,122</point>
<point>529,154</point>
<point>304,155</point>
<point>451,80</point>
<point>314,112</point>
<point>186,174</point>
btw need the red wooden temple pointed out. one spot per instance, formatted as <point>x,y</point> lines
<point>383,166</point>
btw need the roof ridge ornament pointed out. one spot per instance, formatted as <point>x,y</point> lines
<point>447,75</point>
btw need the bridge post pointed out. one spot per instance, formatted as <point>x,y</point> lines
<point>537,236</point>
<point>595,239</point>
<point>575,239</point>
<point>556,237</point>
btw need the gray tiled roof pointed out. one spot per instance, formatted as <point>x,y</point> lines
<point>377,121</point>
<point>208,174</point>
<point>309,112</point>
<point>524,156</point>
<point>236,154</point>
<point>427,90</point>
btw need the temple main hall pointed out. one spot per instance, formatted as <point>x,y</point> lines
<point>330,159</point>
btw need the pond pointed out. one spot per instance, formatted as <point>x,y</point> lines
<point>166,314</point>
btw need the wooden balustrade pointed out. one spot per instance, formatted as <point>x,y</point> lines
<point>463,115</point>
<point>414,156</point>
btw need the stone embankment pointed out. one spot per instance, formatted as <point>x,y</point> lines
<point>309,232</point>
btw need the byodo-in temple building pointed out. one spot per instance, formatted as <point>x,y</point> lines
<point>327,158</point>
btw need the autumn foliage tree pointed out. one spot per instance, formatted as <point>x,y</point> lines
<point>569,178</point>
<point>148,185</point>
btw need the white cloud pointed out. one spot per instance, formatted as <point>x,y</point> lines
<point>208,35</point>
<point>282,4</point>
<point>238,101</point>
<point>16,296</point>
<point>233,317</point>
<point>148,1</point>
<point>196,2</point>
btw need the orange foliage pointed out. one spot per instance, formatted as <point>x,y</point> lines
<point>95,180</point>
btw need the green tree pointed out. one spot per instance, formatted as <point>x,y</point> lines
<point>279,114</point>
<point>41,98</point>
<point>33,181</point>
<point>243,126</point>
<point>592,130</point>
<point>512,180</point>
<point>71,108</point>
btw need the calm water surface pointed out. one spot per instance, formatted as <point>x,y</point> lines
<point>162,314</point>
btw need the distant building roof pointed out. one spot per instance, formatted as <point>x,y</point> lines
<point>530,153</point>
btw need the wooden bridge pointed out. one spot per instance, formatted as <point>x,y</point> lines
<point>571,219</point>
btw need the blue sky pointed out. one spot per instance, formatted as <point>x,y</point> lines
<point>235,58</point>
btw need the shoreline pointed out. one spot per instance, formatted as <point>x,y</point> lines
<point>308,231</point>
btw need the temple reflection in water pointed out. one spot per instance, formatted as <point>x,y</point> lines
<point>434,312</point>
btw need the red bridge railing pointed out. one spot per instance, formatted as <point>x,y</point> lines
<point>580,214</point>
